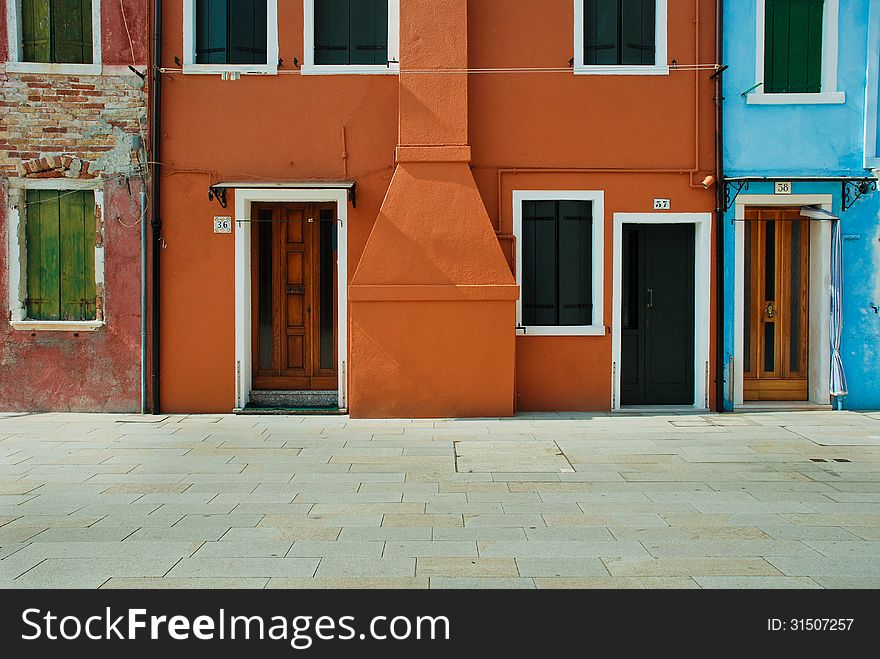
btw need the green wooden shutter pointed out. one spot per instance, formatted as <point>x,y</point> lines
<point>637,32</point>
<point>539,267</point>
<point>247,31</point>
<point>43,255</point>
<point>36,40</point>
<point>211,44</point>
<point>72,31</point>
<point>332,32</point>
<point>77,239</point>
<point>368,31</point>
<point>601,32</point>
<point>793,46</point>
<point>575,263</point>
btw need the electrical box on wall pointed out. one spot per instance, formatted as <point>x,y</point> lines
<point>222,225</point>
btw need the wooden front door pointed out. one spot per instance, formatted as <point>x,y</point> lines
<point>294,284</point>
<point>657,349</point>
<point>776,296</point>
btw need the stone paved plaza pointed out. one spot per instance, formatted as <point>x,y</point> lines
<point>767,500</point>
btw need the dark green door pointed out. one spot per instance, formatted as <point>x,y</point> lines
<point>657,339</point>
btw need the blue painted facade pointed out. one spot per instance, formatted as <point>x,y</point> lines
<point>811,139</point>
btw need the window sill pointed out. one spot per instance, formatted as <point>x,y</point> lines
<point>624,70</point>
<point>219,69</point>
<point>354,69</point>
<point>55,69</point>
<point>823,98</point>
<point>588,330</point>
<point>57,325</point>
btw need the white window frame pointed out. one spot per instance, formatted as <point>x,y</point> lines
<point>189,45</point>
<point>661,48</point>
<point>310,68</point>
<point>597,328</point>
<point>16,63</point>
<point>830,37</point>
<point>872,99</point>
<point>17,254</point>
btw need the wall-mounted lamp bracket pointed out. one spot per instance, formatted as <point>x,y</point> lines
<point>219,194</point>
<point>856,189</point>
<point>731,192</point>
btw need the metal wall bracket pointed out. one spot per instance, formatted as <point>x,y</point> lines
<point>731,192</point>
<point>219,194</point>
<point>855,190</point>
<point>352,195</point>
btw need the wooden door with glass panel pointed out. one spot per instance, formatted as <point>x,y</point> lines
<point>776,309</point>
<point>294,284</point>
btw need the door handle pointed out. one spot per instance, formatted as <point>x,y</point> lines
<point>770,311</point>
<point>650,295</point>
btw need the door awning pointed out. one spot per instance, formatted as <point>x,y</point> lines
<point>816,213</point>
<point>218,190</point>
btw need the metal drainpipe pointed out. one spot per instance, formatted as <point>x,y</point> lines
<point>720,203</point>
<point>155,135</point>
<point>144,245</point>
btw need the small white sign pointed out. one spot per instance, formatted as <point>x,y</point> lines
<point>222,225</point>
<point>662,204</point>
<point>783,187</point>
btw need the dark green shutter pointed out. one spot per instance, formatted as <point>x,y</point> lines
<point>211,46</point>
<point>36,35</point>
<point>601,32</point>
<point>793,46</point>
<point>43,255</point>
<point>247,32</point>
<point>332,32</point>
<point>637,31</point>
<point>368,31</point>
<point>72,31</point>
<point>60,235</point>
<point>539,270</point>
<point>77,231</point>
<point>575,223</point>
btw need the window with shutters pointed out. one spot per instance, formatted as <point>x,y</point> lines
<point>230,35</point>
<point>351,36</point>
<point>54,36</point>
<point>620,36</point>
<point>796,53</point>
<point>560,261</point>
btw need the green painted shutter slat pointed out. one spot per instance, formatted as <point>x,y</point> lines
<point>601,32</point>
<point>637,32</point>
<point>539,272</point>
<point>247,31</point>
<point>211,23</point>
<point>793,46</point>
<point>368,31</point>
<point>77,237</point>
<point>35,31</point>
<point>43,255</point>
<point>575,263</point>
<point>332,32</point>
<point>72,31</point>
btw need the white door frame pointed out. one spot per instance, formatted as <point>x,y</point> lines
<point>702,296</point>
<point>819,372</point>
<point>244,197</point>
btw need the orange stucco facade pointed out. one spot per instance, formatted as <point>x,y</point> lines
<point>436,158</point>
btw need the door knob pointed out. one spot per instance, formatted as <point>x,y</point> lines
<point>770,311</point>
<point>650,295</point>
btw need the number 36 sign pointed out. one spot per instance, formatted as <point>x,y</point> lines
<point>222,225</point>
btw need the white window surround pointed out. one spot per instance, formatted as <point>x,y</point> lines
<point>244,198</point>
<point>310,68</point>
<point>819,370</point>
<point>189,45</point>
<point>702,296</point>
<point>17,254</point>
<point>598,199</point>
<point>872,102</point>
<point>829,94</point>
<point>15,61</point>
<point>660,66</point>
